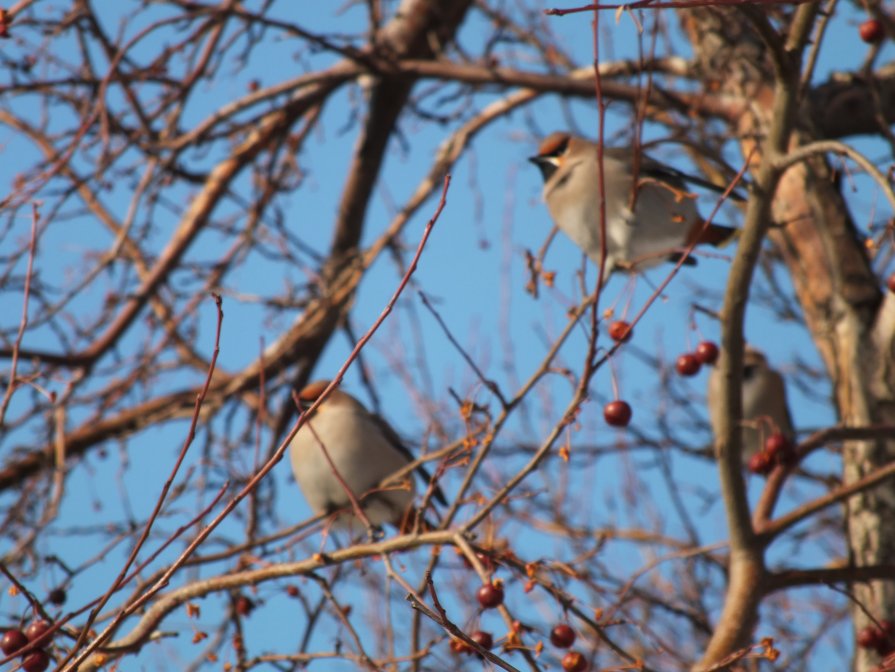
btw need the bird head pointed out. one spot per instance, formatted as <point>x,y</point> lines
<point>337,399</point>
<point>311,392</point>
<point>754,361</point>
<point>552,151</point>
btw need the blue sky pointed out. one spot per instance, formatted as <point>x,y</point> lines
<point>473,270</point>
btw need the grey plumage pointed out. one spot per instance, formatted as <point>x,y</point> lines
<point>765,408</point>
<point>664,219</point>
<point>364,450</point>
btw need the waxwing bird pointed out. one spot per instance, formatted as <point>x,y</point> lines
<point>364,450</point>
<point>664,219</point>
<point>765,410</point>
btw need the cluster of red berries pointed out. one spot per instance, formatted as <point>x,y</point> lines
<point>879,637</point>
<point>562,637</point>
<point>690,363</point>
<point>778,449</point>
<point>490,596</point>
<point>36,660</point>
<point>618,413</point>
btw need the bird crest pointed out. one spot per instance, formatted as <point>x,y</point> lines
<point>311,392</point>
<point>554,144</point>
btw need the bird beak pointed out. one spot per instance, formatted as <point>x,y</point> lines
<point>546,164</point>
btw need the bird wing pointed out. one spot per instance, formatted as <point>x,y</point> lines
<point>392,437</point>
<point>778,391</point>
<point>650,167</point>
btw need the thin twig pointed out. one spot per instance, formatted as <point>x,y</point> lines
<point>23,323</point>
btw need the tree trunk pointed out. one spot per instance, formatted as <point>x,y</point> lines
<point>849,320</point>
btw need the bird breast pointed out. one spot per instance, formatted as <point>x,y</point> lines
<point>359,451</point>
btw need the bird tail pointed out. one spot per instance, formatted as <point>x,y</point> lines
<point>718,235</point>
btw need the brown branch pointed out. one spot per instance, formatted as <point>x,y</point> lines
<point>740,610</point>
<point>23,322</point>
<point>792,578</point>
<point>165,603</point>
<point>776,527</point>
<point>216,185</point>
<point>132,557</point>
<point>152,591</point>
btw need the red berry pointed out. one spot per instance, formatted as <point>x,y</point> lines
<point>869,637</point>
<point>483,639</point>
<point>620,331</point>
<point>890,283</point>
<point>458,646</point>
<point>35,629</point>
<point>617,413</point>
<point>292,591</point>
<point>761,463</point>
<point>562,636</point>
<point>574,662</point>
<point>36,661</point>
<point>490,595</point>
<point>871,31</point>
<point>778,448</point>
<point>687,365</point>
<point>707,353</point>
<point>243,605</point>
<point>57,596</point>
<point>12,641</point>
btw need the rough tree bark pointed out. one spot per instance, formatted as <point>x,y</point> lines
<point>848,317</point>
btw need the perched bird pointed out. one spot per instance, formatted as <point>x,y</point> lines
<point>664,219</point>
<point>765,410</point>
<point>364,450</point>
